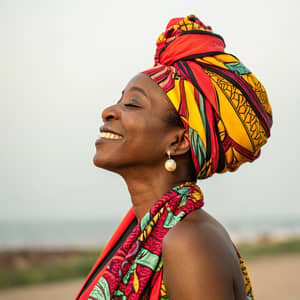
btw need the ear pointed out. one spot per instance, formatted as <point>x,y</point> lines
<point>180,144</point>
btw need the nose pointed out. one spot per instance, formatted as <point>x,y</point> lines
<point>110,113</point>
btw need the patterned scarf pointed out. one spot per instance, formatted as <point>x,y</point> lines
<point>223,107</point>
<point>135,271</point>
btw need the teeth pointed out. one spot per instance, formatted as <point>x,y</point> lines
<point>109,135</point>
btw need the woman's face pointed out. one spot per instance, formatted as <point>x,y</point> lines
<point>135,132</point>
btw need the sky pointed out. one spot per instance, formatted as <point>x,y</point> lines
<point>62,62</point>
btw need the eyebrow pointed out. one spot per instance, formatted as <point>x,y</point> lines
<point>138,89</point>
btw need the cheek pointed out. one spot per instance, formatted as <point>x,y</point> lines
<point>144,131</point>
<point>153,134</point>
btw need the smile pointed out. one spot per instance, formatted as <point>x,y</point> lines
<point>110,135</point>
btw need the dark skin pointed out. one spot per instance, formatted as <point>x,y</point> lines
<point>137,152</point>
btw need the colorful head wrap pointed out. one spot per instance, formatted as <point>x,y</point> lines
<point>223,106</point>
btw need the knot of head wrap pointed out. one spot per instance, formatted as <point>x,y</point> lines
<point>223,106</point>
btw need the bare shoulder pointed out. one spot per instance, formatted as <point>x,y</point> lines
<point>201,232</point>
<point>200,259</point>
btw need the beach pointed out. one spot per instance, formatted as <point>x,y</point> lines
<point>273,277</point>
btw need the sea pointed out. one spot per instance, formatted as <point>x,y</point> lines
<point>93,233</point>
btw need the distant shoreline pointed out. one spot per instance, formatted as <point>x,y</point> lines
<point>237,238</point>
<point>93,233</point>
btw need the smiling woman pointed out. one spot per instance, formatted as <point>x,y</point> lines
<point>200,111</point>
<point>136,136</point>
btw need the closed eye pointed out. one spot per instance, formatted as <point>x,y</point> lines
<point>130,105</point>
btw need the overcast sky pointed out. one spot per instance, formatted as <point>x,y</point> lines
<point>63,61</point>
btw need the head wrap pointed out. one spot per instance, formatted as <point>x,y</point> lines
<point>223,106</point>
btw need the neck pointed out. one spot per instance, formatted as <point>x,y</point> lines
<point>146,189</point>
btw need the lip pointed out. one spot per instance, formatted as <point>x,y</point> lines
<point>108,130</point>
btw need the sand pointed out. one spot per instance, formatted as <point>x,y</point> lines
<point>50,291</point>
<point>274,278</point>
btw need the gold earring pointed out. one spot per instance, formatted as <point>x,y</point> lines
<point>170,164</point>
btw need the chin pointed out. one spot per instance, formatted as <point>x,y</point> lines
<point>98,162</point>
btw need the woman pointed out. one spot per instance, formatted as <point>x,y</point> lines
<point>196,112</point>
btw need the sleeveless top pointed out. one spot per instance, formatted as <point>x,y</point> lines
<point>130,266</point>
